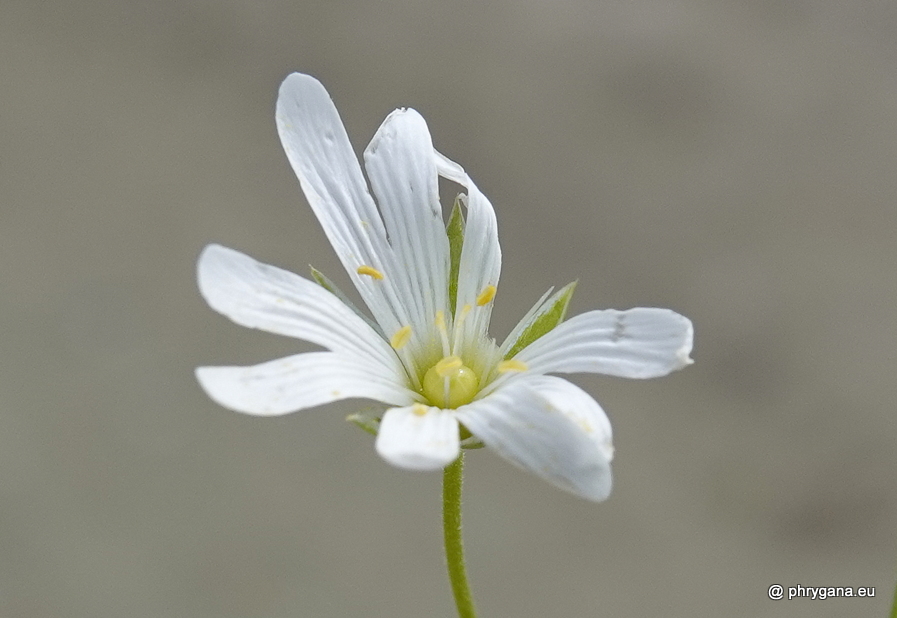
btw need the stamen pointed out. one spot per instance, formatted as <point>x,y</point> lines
<point>456,331</point>
<point>511,365</point>
<point>443,332</point>
<point>419,409</point>
<point>486,295</point>
<point>400,338</point>
<point>370,271</point>
<point>448,366</point>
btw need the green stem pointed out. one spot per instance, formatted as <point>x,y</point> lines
<point>893,613</point>
<point>454,548</point>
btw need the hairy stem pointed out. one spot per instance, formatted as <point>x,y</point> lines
<point>454,548</point>
<point>893,613</point>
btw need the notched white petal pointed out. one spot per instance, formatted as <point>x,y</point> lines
<point>299,382</point>
<point>316,143</point>
<point>402,171</point>
<point>549,427</point>
<point>261,296</point>
<point>480,264</point>
<point>638,343</point>
<point>419,437</point>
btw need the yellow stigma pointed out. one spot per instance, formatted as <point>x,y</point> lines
<point>511,365</point>
<point>400,338</point>
<point>450,383</point>
<point>370,271</point>
<point>486,295</point>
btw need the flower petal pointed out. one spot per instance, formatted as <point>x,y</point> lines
<point>638,343</point>
<point>402,171</point>
<point>480,257</point>
<point>419,437</point>
<point>318,148</point>
<point>299,382</point>
<point>266,297</point>
<point>549,427</point>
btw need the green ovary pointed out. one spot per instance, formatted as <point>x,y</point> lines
<point>463,383</point>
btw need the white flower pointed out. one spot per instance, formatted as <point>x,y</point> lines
<point>432,363</point>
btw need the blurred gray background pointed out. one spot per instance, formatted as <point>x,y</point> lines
<point>732,160</point>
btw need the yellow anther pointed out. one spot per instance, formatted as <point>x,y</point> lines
<point>419,409</point>
<point>448,366</point>
<point>370,271</point>
<point>486,295</point>
<point>458,325</point>
<point>511,365</point>
<point>440,320</point>
<point>400,338</point>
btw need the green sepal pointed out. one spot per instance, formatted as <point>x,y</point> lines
<point>322,280</point>
<point>367,419</point>
<point>454,229</point>
<point>550,314</point>
<point>471,443</point>
<point>468,440</point>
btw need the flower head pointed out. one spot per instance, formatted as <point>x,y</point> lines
<point>430,287</point>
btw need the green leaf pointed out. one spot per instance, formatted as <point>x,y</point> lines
<point>322,280</point>
<point>550,314</point>
<point>454,229</point>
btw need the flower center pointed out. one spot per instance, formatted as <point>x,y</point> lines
<point>450,383</point>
